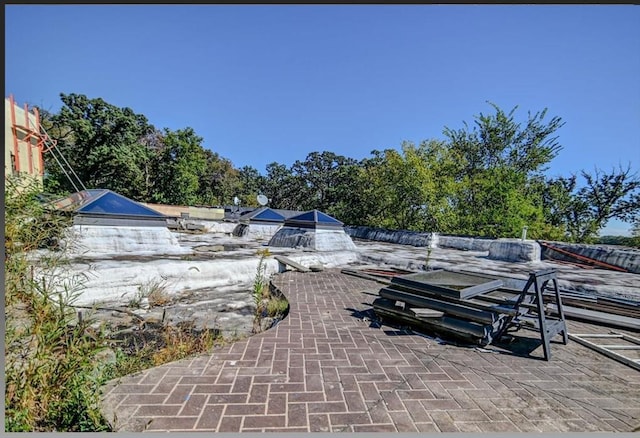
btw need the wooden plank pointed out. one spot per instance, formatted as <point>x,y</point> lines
<point>422,312</point>
<point>504,306</point>
<point>472,291</point>
<point>288,262</point>
<point>449,308</point>
<point>453,284</point>
<point>365,276</point>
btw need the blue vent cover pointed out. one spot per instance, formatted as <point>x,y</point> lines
<point>268,214</point>
<point>315,217</point>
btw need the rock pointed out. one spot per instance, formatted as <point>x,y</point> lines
<point>209,248</point>
<point>266,323</point>
<point>316,268</point>
<point>106,356</point>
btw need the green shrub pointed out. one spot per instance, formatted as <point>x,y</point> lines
<point>51,376</point>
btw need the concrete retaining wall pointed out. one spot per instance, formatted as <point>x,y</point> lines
<point>402,237</point>
<point>416,238</point>
<point>464,243</point>
<point>514,250</point>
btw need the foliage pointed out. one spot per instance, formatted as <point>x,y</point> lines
<point>317,178</point>
<point>51,375</point>
<point>498,164</point>
<point>633,241</point>
<point>103,145</point>
<point>174,343</point>
<point>281,187</point>
<point>277,307</point>
<point>178,167</point>
<point>485,179</point>
<point>260,282</point>
<point>583,211</point>
<point>499,141</point>
<point>248,186</point>
<point>182,342</point>
<point>267,304</point>
<point>154,291</point>
<point>218,181</point>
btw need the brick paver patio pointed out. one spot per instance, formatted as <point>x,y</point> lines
<point>328,368</point>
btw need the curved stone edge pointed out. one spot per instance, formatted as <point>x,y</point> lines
<point>109,400</point>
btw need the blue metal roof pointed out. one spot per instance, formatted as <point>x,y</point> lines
<point>314,218</point>
<point>104,202</point>
<point>263,214</point>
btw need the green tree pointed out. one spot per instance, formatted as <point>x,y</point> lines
<point>500,141</point>
<point>401,182</point>
<point>219,180</point>
<point>584,211</point>
<point>178,167</point>
<point>249,184</point>
<point>509,205</point>
<point>103,145</point>
<point>351,197</point>
<point>279,186</point>
<point>317,178</point>
<point>499,163</point>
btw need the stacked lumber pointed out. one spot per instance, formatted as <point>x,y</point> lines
<point>469,307</point>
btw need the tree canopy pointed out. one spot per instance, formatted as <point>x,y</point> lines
<point>483,180</point>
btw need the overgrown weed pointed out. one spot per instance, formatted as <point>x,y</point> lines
<point>268,305</point>
<point>51,376</point>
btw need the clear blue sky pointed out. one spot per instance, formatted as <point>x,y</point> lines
<point>274,83</point>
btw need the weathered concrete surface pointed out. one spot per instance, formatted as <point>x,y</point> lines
<point>319,240</point>
<point>401,237</point>
<point>626,258</point>
<point>330,366</point>
<point>514,250</point>
<point>120,240</point>
<point>420,239</point>
<point>464,243</point>
<point>256,231</point>
<point>597,282</point>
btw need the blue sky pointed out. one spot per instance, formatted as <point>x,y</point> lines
<point>276,82</point>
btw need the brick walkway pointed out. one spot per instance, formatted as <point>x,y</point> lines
<point>325,368</point>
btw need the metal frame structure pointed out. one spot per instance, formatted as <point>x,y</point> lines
<point>44,144</point>
<point>608,349</point>
<point>542,320</point>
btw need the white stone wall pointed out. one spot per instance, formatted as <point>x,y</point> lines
<point>119,241</point>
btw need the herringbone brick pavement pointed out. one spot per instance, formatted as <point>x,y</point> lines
<point>329,367</point>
